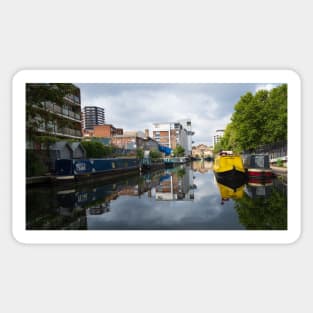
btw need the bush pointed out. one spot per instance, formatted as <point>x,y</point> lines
<point>155,154</point>
<point>96,149</point>
<point>139,153</point>
<point>179,151</point>
<point>35,165</point>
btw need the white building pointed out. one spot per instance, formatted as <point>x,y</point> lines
<point>219,133</point>
<point>172,134</point>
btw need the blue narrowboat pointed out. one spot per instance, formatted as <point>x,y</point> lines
<point>75,169</point>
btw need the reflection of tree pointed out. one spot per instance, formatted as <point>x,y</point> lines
<point>181,172</point>
<point>263,213</point>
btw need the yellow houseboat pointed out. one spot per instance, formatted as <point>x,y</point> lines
<point>229,170</point>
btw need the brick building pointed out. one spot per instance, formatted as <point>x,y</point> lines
<point>107,131</point>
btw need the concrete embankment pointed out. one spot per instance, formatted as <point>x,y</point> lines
<point>280,172</point>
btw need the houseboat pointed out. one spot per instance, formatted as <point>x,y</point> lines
<point>258,167</point>
<point>71,169</point>
<point>174,161</point>
<point>229,169</point>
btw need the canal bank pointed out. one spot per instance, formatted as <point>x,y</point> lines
<point>72,170</point>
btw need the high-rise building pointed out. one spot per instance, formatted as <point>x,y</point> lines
<point>92,116</point>
<point>219,133</point>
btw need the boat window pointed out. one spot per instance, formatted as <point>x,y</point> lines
<point>113,164</point>
<point>259,161</point>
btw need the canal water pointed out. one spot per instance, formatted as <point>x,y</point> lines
<point>183,198</point>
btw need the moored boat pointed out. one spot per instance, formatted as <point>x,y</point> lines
<point>174,161</point>
<point>258,167</point>
<point>67,169</point>
<point>229,170</point>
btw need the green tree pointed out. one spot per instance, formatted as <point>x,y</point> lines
<point>179,151</point>
<point>139,153</point>
<point>96,149</point>
<point>257,119</point>
<point>155,154</point>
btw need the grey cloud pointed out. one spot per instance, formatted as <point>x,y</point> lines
<point>137,106</point>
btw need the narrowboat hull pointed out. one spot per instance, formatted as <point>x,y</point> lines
<point>174,161</point>
<point>258,173</point>
<point>229,171</point>
<point>71,169</point>
<point>258,167</point>
<point>233,178</point>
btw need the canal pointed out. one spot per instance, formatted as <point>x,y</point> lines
<point>183,198</point>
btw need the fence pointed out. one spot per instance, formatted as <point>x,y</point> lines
<point>274,150</point>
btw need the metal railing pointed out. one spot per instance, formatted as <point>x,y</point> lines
<point>54,108</point>
<point>274,150</point>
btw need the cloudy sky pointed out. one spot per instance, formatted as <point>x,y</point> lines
<point>138,106</point>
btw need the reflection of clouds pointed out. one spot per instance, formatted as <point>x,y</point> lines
<point>205,212</point>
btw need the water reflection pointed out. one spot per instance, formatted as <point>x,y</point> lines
<point>264,206</point>
<point>176,184</point>
<point>202,166</point>
<point>186,197</point>
<point>228,193</point>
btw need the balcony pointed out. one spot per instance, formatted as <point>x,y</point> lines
<point>61,132</point>
<point>64,112</point>
<point>72,99</point>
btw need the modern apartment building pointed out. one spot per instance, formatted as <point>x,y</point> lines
<point>92,116</point>
<point>219,133</point>
<point>58,118</point>
<point>172,134</point>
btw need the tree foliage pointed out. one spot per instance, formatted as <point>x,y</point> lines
<point>179,151</point>
<point>139,153</point>
<point>257,119</point>
<point>155,154</point>
<point>263,213</point>
<point>96,149</point>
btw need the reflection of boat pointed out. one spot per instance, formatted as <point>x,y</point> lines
<point>258,166</point>
<point>98,210</point>
<point>256,190</point>
<point>229,170</point>
<point>230,193</point>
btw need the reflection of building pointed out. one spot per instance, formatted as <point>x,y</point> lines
<point>92,116</point>
<point>202,151</point>
<point>173,134</point>
<point>202,166</point>
<point>217,137</point>
<point>134,140</point>
<point>129,191</point>
<point>176,185</point>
